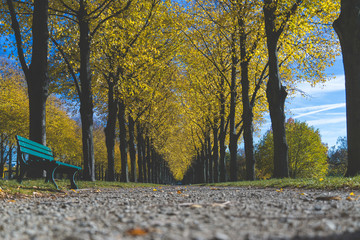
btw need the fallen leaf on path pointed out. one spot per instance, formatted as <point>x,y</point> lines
<point>137,232</point>
<point>195,206</point>
<point>350,199</point>
<point>220,204</point>
<point>37,194</point>
<point>328,198</point>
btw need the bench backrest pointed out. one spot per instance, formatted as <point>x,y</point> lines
<point>32,148</point>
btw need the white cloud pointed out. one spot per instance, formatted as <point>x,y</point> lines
<point>306,111</point>
<point>336,84</point>
<point>327,121</point>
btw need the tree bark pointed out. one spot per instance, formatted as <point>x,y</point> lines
<point>247,108</point>
<point>276,94</point>
<point>10,162</point>
<point>37,73</point>
<point>206,161</point>
<point>210,159</point>
<point>148,159</point>
<point>38,79</point>
<point>124,177</point>
<point>139,147</point>
<point>2,156</point>
<point>86,99</point>
<point>347,27</point>
<point>222,135</point>
<point>110,135</point>
<point>233,96</point>
<point>132,149</point>
<point>144,159</point>
<point>216,154</point>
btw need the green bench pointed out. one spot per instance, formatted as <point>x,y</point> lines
<point>42,158</point>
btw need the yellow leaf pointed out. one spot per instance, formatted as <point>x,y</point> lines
<point>350,198</point>
<point>137,232</point>
<point>321,179</point>
<point>352,194</point>
<point>154,189</point>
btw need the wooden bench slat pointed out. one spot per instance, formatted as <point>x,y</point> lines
<point>36,154</point>
<point>22,139</point>
<point>35,148</point>
<point>67,165</point>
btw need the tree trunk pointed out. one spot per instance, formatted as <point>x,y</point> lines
<point>132,149</point>
<point>37,73</point>
<point>86,100</point>
<point>247,109</point>
<point>139,147</point>
<point>153,165</point>
<point>206,161</point>
<point>10,162</point>
<point>233,147</point>
<point>144,159</point>
<point>148,159</point>
<point>202,166</point>
<point>276,95</point>
<point>222,135</point>
<point>347,27</point>
<point>110,135</point>
<point>124,177</point>
<point>210,158</point>
<point>2,156</point>
<point>216,154</point>
<point>38,79</point>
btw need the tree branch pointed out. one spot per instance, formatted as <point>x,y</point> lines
<point>70,68</point>
<point>15,26</point>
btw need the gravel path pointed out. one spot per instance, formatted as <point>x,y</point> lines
<point>182,212</point>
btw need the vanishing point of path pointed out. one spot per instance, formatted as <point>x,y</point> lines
<point>183,212</point>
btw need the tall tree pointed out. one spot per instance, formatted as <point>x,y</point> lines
<point>276,92</point>
<point>347,26</point>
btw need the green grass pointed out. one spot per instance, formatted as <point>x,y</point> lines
<point>320,183</point>
<point>14,189</point>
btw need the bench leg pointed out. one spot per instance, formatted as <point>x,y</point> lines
<point>72,180</point>
<point>52,175</point>
<point>22,174</point>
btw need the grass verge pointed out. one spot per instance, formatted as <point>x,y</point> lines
<point>13,189</point>
<point>330,183</point>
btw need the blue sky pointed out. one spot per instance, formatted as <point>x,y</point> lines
<point>324,106</point>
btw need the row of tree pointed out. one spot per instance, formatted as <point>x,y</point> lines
<point>251,56</point>
<point>64,134</point>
